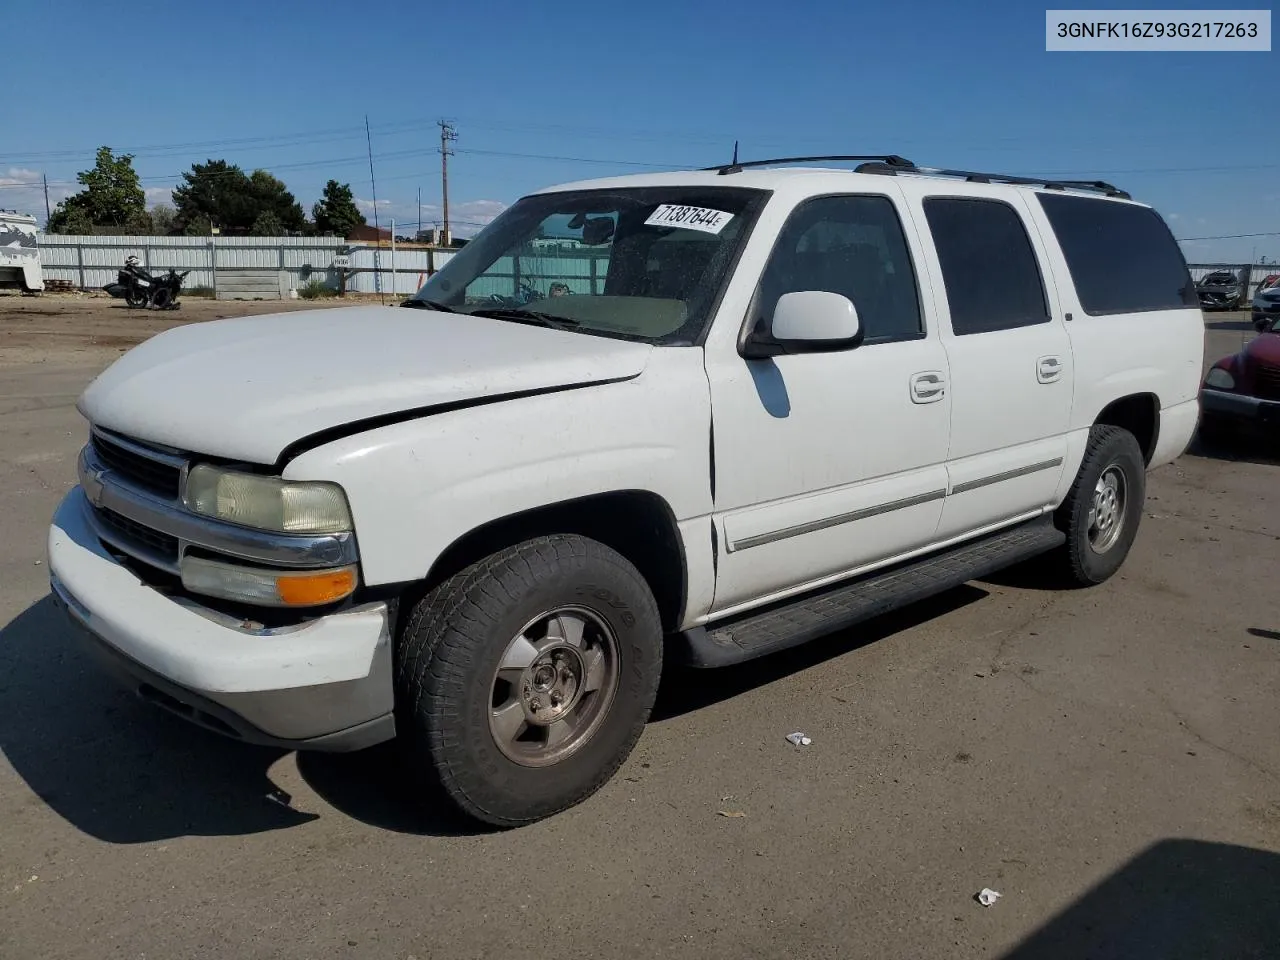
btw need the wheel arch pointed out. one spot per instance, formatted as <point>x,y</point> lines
<point>639,524</point>
<point>1139,413</point>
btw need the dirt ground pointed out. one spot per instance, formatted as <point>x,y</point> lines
<point>84,327</point>
<point>1106,759</point>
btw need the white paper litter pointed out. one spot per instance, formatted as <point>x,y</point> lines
<point>799,739</point>
<point>987,896</point>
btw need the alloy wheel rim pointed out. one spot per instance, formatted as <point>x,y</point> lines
<point>1106,514</point>
<point>553,687</point>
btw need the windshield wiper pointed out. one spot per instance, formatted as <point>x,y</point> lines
<point>520,315</point>
<point>420,304</point>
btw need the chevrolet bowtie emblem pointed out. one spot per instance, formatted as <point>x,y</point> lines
<point>92,484</point>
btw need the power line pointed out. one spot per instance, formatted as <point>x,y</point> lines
<point>1229,236</point>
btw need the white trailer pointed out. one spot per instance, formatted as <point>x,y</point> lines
<point>19,253</point>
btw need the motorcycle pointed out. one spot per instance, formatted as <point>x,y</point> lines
<point>138,288</point>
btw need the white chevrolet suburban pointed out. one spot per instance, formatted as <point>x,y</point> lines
<point>698,417</point>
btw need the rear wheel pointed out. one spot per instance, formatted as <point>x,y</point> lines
<point>524,682</point>
<point>135,296</point>
<point>1101,513</point>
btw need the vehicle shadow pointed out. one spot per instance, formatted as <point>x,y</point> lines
<point>1177,899</point>
<point>1235,446</point>
<point>124,771</point>
<point>685,689</point>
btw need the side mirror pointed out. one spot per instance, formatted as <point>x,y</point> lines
<point>807,321</point>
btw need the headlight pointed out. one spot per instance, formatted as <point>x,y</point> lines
<point>267,588</point>
<point>267,503</point>
<point>1221,379</point>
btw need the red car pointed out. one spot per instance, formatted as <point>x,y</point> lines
<point>1244,388</point>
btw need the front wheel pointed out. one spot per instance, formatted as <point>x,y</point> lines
<point>524,682</point>
<point>1101,513</point>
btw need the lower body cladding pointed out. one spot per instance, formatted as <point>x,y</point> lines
<point>323,685</point>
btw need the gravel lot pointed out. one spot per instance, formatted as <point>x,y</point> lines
<point>1106,759</point>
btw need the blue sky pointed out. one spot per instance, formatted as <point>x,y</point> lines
<point>285,85</point>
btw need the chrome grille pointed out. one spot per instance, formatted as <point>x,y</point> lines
<point>133,499</point>
<point>160,473</point>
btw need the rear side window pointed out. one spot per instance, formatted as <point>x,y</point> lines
<point>990,271</point>
<point>1122,257</point>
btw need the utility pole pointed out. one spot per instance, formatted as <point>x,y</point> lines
<point>447,133</point>
<point>47,215</point>
<point>419,234</point>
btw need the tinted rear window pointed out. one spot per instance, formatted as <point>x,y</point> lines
<point>988,267</point>
<point>1122,257</point>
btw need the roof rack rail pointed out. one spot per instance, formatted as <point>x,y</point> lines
<point>1100,186</point>
<point>892,164</point>
<point>890,160</point>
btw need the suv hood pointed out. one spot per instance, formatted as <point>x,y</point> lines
<point>247,388</point>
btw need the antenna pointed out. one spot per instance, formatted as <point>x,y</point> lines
<point>735,154</point>
<point>377,230</point>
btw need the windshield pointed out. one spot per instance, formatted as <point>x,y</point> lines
<point>640,264</point>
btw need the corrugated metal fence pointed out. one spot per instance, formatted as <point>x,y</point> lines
<point>91,262</point>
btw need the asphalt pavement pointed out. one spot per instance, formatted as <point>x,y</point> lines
<point>1106,759</point>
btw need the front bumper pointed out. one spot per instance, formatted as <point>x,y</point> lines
<point>1218,301</point>
<point>322,685</point>
<point>1237,406</point>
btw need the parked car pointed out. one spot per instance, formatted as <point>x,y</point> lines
<point>779,403</point>
<point>1265,307</point>
<point>1219,290</point>
<point>1243,390</point>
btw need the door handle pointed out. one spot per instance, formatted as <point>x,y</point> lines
<point>928,387</point>
<point>1048,369</point>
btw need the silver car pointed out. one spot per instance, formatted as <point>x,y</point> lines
<point>1266,306</point>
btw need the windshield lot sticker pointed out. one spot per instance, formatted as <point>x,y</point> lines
<point>691,218</point>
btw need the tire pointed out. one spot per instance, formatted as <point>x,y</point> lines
<point>162,298</point>
<point>135,297</point>
<point>1095,550</point>
<point>465,682</point>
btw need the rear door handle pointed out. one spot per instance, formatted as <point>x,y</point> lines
<point>1048,369</point>
<point>928,386</point>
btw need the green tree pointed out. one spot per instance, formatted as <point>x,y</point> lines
<point>162,216</point>
<point>198,226</point>
<point>223,194</point>
<point>138,225</point>
<point>336,211</point>
<point>112,197</point>
<point>267,225</point>
<point>217,192</point>
<point>70,219</point>
<point>273,197</point>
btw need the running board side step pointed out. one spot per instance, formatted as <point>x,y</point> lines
<point>798,620</point>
